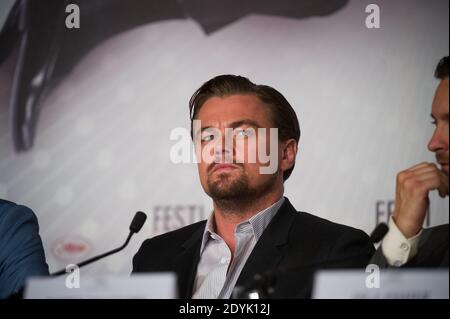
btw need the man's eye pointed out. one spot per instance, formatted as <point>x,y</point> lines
<point>243,132</point>
<point>434,122</point>
<point>207,137</point>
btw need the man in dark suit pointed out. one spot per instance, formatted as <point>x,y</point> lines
<point>21,252</point>
<point>255,238</point>
<point>406,244</point>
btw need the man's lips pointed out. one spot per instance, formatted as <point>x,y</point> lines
<point>444,166</point>
<point>223,167</point>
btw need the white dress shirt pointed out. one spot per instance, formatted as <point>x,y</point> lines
<point>397,249</point>
<point>216,273</point>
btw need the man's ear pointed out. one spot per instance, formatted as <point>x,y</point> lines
<point>288,154</point>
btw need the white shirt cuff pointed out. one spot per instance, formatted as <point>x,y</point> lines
<point>397,249</point>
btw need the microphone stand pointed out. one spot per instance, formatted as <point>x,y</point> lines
<point>136,225</point>
<point>95,258</point>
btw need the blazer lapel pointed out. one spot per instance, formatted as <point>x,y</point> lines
<point>185,263</point>
<point>268,253</point>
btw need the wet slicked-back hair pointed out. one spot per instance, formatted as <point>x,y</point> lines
<point>281,112</point>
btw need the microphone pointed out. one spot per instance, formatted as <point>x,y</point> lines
<point>261,286</point>
<point>135,226</point>
<point>379,232</point>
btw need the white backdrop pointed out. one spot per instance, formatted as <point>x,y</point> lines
<point>363,97</point>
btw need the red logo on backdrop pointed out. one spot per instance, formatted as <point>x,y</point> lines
<point>71,248</point>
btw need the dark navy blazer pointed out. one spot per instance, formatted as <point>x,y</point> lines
<point>21,251</point>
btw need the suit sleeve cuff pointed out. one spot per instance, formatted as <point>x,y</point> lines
<point>397,249</point>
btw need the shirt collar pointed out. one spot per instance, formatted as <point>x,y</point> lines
<point>256,224</point>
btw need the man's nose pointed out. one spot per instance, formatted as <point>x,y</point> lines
<point>224,147</point>
<point>437,141</point>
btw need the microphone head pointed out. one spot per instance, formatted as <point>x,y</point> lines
<point>137,222</point>
<point>379,232</point>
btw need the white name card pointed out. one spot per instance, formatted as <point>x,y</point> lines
<point>139,286</point>
<point>382,284</point>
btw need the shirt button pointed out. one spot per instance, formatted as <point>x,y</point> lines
<point>223,260</point>
<point>404,246</point>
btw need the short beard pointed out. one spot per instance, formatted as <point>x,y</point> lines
<point>235,195</point>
